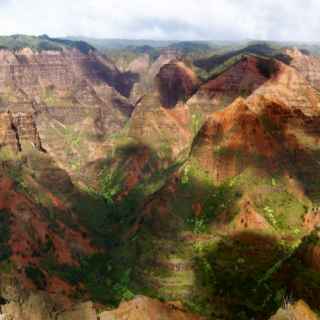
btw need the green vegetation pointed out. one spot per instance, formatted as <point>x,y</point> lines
<point>307,172</point>
<point>243,269</point>
<point>212,66</point>
<point>267,67</point>
<point>7,154</point>
<point>124,213</point>
<point>5,250</point>
<point>37,276</point>
<point>6,267</point>
<point>51,98</point>
<point>282,210</point>
<point>16,42</point>
<point>197,122</point>
<point>196,186</point>
<point>219,199</point>
<point>270,126</point>
<point>105,277</point>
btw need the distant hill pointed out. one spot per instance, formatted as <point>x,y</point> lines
<point>220,61</point>
<point>43,42</point>
<point>103,44</point>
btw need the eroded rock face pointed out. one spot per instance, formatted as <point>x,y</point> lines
<point>83,311</point>
<point>140,65</point>
<point>230,135</point>
<point>40,306</point>
<point>288,87</point>
<point>307,65</point>
<point>162,119</point>
<point>175,83</point>
<point>241,79</point>
<point>35,307</point>
<point>8,135</point>
<point>32,71</point>
<point>53,101</point>
<point>146,309</point>
<point>19,131</point>
<point>30,231</point>
<point>147,72</point>
<point>279,115</point>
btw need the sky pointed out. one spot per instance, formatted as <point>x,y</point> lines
<point>282,20</point>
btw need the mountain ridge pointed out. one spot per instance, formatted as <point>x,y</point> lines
<point>150,179</point>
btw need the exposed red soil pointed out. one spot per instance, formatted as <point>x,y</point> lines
<point>245,76</point>
<point>176,82</point>
<point>30,232</point>
<point>249,218</point>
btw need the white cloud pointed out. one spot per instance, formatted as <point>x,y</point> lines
<point>164,19</point>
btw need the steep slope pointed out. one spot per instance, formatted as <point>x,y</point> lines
<point>307,65</point>
<point>59,108</point>
<point>39,231</point>
<point>64,102</point>
<point>241,79</point>
<point>221,60</point>
<point>234,213</point>
<point>161,119</point>
<point>203,193</point>
<point>169,102</point>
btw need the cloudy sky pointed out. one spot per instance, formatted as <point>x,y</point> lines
<point>165,19</point>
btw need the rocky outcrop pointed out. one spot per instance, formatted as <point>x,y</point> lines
<point>53,101</point>
<point>297,311</point>
<point>175,83</point>
<point>83,311</point>
<point>32,71</point>
<point>39,306</point>
<point>165,111</point>
<point>35,307</point>
<point>147,72</point>
<point>140,65</point>
<point>147,309</point>
<point>273,123</point>
<point>19,131</point>
<point>231,136</point>
<point>307,65</point>
<point>290,89</point>
<point>241,79</point>
<point>8,134</point>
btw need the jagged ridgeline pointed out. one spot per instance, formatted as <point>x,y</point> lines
<point>146,180</point>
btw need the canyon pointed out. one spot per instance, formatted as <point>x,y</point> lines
<point>158,184</point>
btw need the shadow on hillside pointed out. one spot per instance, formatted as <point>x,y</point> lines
<point>256,49</point>
<point>290,152</point>
<point>110,206</point>
<point>126,81</point>
<point>301,161</point>
<point>122,82</point>
<point>92,215</point>
<point>244,270</point>
<point>174,85</point>
<point>246,276</point>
